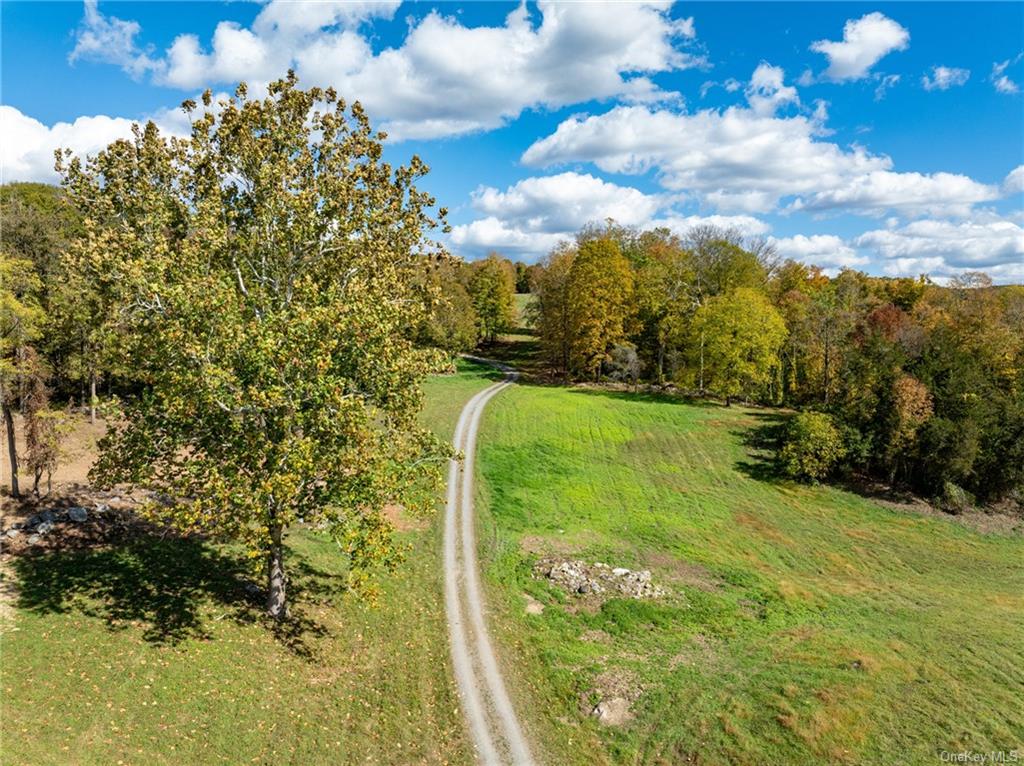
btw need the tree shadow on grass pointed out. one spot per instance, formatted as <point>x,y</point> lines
<point>762,442</point>
<point>171,588</point>
<point>646,396</point>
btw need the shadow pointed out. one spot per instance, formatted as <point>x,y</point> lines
<point>160,583</point>
<point>762,442</point>
<point>173,588</point>
<point>645,394</point>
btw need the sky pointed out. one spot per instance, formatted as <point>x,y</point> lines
<point>886,137</point>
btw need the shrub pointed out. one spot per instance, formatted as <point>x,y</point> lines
<point>812,446</point>
<point>955,499</point>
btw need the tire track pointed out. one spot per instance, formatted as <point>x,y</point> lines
<point>496,731</point>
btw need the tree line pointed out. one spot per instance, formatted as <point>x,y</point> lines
<point>903,380</point>
<point>254,307</point>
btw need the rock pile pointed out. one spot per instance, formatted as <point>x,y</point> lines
<point>44,522</point>
<point>583,579</point>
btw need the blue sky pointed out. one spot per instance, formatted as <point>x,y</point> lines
<point>886,137</point>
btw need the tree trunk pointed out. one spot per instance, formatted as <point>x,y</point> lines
<point>12,449</point>
<point>92,397</point>
<point>661,364</point>
<point>277,605</point>
<point>700,384</point>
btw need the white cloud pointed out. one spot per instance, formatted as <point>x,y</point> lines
<point>566,202</point>
<point>746,225</point>
<point>446,78</point>
<point>825,250</point>
<point>865,41</point>
<point>1001,80</point>
<point>738,160</point>
<point>885,82</point>
<point>911,194</point>
<point>534,214</point>
<point>945,77</point>
<point>767,92</point>
<point>110,40</point>
<point>490,234</point>
<point>27,145</point>
<point>1014,181</point>
<point>943,248</point>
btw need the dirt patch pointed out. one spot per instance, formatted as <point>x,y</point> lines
<point>595,637</point>
<point>685,572</point>
<point>701,652</point>
<point>611,699</point>
<point>533,606</point>
<point>402,520</point>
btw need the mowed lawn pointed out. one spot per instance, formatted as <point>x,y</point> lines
<point>151,653</point>
<point>805,625</point>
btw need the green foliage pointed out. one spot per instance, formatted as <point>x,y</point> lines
<point>491,286</point>
<point>812,448</point>
<point>740,334</point>
<point>600,294</point>
<point>264,273</point>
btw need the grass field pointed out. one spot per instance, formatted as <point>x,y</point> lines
<point>150,653</point>
<point>805,625</point>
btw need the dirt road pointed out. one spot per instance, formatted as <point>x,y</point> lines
<point>485,702</point>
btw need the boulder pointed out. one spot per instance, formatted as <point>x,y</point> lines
<point>33,539</point>
<point>12,532</point>
<point>612,712</point>
<point>78,514</point>
<point>42,528</point>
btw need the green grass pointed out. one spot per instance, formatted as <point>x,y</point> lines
<point>150,653</point>
<point>806,625</point>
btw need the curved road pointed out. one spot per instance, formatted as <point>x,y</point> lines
<point>485,702</point>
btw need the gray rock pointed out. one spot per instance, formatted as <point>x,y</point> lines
<point>43,527</point>
<point>78,514</point>
<point>620,571</point>
<point>33,539</point>
<point>102,507</point>
<point>12,532</point>
<point>47,517</point>
<point>612,712</point>
<point>31,521</point>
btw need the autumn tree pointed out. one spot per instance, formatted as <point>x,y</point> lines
<point>450,322</point>
<point>266,276</point>
<point>491,287</point>
<point>550,310</point>
<point>600,292</point>
<point>742,335</point>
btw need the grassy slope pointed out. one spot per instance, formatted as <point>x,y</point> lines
<point>148,654</point>
<point>809,625</point>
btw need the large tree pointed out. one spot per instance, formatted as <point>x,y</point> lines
<point>492,287</point>
<point>20,319</point>
<point>600,292</point>
<point>742,334</point>
<point>265,270</point>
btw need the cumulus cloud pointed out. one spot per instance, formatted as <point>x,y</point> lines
<point>944,248</point>
<point>825,250</point>
<point>865,41</point>
<point>767,92</point>
<point>945,77</point>
<point>740,160</point>
<point>534,214</point>
<point>1014,181</point>
<point>446,78</point>
<point>27,145</point>
<point>1001,80</point>
<point>110,40</point>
